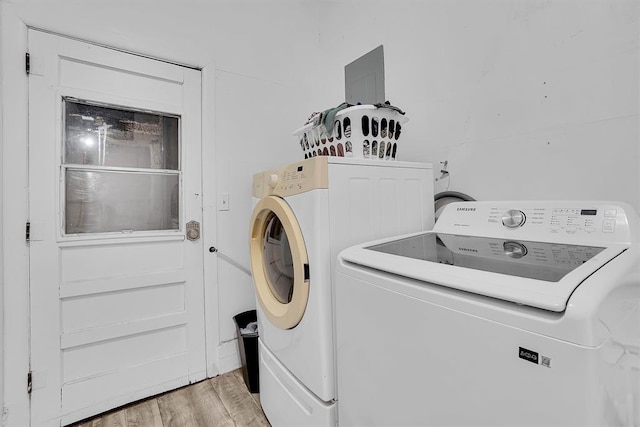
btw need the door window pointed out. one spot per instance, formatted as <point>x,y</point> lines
<point>121,169</point>
<point>278,261</point>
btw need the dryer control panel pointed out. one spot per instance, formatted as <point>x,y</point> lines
<point>294,178</point>
<point>541,221</point>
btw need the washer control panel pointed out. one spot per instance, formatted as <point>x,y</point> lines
<point>548,220</point>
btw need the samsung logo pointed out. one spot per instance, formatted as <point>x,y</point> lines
<point>466,209</point>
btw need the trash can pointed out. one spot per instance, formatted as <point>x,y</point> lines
<point>248,347</point>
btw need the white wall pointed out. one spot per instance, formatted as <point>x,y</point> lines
<point>525,99</point>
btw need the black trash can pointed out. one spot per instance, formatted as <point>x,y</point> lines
<point>248,346</point>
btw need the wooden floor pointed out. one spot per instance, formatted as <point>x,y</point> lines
<point>220,401</point>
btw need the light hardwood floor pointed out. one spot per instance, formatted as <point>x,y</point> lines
<point>220,401</point>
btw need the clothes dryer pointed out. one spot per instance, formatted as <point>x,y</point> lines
<point>506,313</point>
<point>304,214</point>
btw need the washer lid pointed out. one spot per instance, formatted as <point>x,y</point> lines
<point>537,274</point>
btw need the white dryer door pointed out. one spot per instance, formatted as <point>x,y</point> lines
<point>279,262</point>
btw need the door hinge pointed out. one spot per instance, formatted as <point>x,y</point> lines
<point>29,382</point>
<point>27,62</point>
<point>27,231</point>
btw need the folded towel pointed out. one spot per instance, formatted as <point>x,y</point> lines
<point>328,116</point>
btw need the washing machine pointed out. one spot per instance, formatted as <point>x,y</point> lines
<point>304,214</point>
<point>506,313</point>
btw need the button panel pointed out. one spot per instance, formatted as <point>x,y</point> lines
<point>292,179</point>
<point>609,225</point>
<point>572,220</point>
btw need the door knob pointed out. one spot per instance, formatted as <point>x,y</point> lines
<point>193,230</point>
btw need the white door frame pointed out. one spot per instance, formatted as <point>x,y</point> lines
<point>209,221</point>
<point>14,264</point>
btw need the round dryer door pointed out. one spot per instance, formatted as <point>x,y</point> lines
<point>279,262</point>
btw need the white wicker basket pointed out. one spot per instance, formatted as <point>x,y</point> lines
<point>362,131</point>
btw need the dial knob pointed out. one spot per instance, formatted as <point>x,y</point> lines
<point>273,180</point>
<point>513,218</point>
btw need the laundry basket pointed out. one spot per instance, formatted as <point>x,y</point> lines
<point>361,131</point>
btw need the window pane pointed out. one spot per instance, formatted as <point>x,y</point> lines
<point>103,201</point>
<point>278,261</point>
<point>105,136</point>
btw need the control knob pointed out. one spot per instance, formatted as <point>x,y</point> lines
<point>513,218</point>
<point>273,180</point>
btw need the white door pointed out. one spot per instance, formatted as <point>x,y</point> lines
<point>117,311</point>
